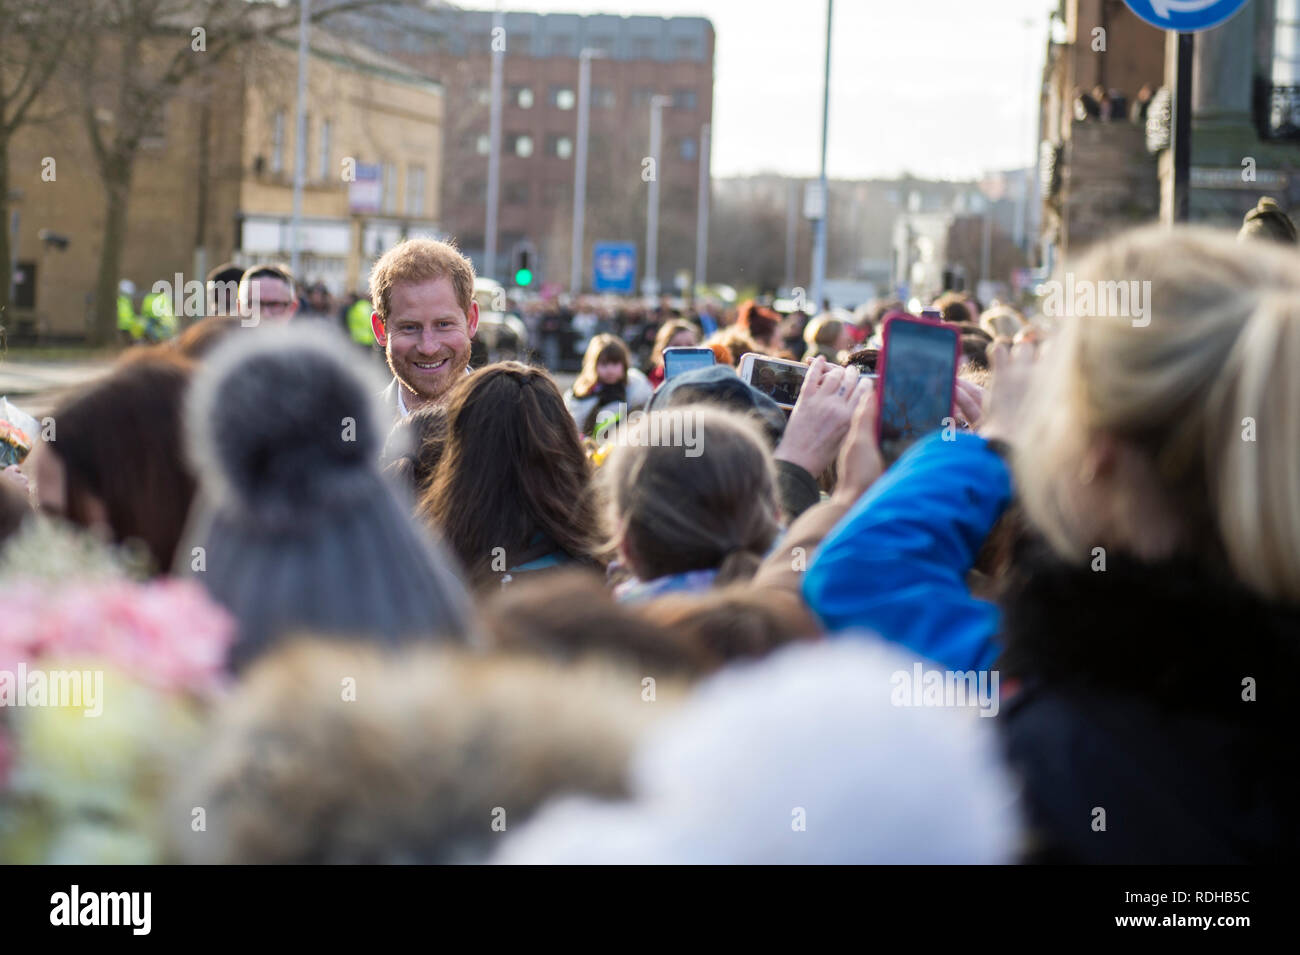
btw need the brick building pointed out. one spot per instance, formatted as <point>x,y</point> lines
<point>644,57</point>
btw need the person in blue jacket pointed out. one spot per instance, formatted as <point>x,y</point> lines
<point>1147,630</point>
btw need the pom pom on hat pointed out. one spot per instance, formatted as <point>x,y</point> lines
<point>282,421</point>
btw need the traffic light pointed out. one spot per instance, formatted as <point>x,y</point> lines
<point>523,268</point>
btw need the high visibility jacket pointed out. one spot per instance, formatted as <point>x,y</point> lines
<point>359,323</point>
<point>159,321</point>
<point>127,320</point>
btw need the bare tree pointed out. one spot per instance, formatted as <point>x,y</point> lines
<point>131,58</point>
<point>33,37</point>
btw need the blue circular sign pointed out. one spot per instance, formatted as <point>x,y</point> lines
<point>1185,16</point>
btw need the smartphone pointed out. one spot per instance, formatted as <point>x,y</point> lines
<point>678,360</point>
<point>919,359</point>
<point>777,378</point>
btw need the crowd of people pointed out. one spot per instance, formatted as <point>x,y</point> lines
<point>440,613</point>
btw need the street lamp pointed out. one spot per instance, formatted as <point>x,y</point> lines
<point>299,146</point>
<point>819,245</point>
<point>494,149</point>
<point>580,165</point>
<point>650,284</point>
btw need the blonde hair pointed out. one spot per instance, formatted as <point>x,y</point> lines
<point>824,330</point>
<point>600,348</point>
<point>674,511</point>
<point>1213,356</point>
<point>421,260</point>
<point>667,332</point>
<point>1002,320</point>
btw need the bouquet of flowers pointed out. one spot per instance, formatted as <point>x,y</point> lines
<point>104,682</point>
<point>18,430</point>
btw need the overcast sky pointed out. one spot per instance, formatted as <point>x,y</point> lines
<point>939,88</point>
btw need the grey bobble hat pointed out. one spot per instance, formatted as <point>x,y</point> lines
<point>299,532</point>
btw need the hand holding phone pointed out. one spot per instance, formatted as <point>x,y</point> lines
<point>777,378</point>
<point>918,373</point>
<point>821,416</point>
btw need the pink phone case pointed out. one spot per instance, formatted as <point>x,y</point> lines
<point>882,368</point>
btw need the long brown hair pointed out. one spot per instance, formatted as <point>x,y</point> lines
<point>119,440</point>
<point>603,348</point>
<point>513,468</point>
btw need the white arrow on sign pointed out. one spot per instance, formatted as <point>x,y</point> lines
<point>1162,7</point>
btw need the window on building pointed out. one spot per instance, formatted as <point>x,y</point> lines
<point>559,146</point>
<point>557,193</point>
<point>476,190</point>
<point>605,44</point>
<point>642,95</point>
<point>415,190</point>
<point>480,94</point>
<point>277,141</point>
<point>686,148</point>
<point>603,97</point>
<point>643,48</point>
<point>522,96</point>
<point>516,193</point>
<point>562,97</point>
<point>683,99</point>
<point>388,200</point>
<point>521,44</point>
<point>520,144</point>
<point>563,46</point>
<point>685,49</point>
<point>326,145</point>
<point>483,144</point>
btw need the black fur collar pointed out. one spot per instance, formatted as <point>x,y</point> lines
<point>1174,633</point>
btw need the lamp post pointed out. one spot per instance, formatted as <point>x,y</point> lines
<point>819,241</point>
<point>494,148</point>
<point>580,166</point>
<point>650,284</point>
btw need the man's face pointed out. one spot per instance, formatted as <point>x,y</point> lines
<point>267,300</point>
<point>426,338</point>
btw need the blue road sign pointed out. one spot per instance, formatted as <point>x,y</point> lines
<point>1185,16</point>
<point>614,267</point>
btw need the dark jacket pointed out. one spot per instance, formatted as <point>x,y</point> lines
<point>1123,687</point>
<point>1132,686</point>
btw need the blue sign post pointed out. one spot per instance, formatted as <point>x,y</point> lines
<point>1185,16</point>
<point>614,267</point>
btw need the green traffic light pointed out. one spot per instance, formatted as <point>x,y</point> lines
<point>523,277</point>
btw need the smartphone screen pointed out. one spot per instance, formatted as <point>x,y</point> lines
<point>678,360</point>
<point>778,380</point>
<point>920,365</point>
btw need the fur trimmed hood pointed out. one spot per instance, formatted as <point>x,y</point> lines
<point>329,753</point>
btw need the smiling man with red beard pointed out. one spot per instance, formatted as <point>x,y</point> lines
<point>425,316</point>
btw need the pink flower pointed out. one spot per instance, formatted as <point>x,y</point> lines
<point>167,633</point>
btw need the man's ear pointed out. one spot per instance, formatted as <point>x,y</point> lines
<point>377,327</point>
<point>472,318</point>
